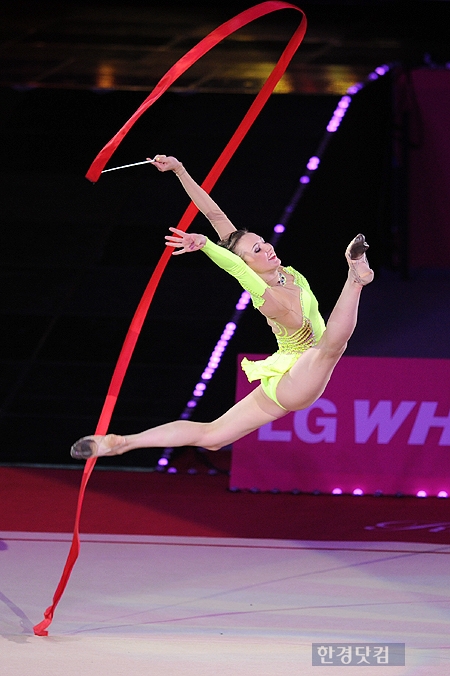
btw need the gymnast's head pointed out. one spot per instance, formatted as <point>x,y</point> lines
<point>258,254</point>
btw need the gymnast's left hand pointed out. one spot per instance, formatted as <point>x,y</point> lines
<point>185,242</point>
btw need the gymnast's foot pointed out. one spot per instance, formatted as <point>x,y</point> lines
<point>357,260</point>
<point>96,446</point>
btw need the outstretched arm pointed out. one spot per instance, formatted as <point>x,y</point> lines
<point>221,224</point>
<point>266,298</point>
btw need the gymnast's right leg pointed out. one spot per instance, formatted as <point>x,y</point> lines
<point>255,410</point>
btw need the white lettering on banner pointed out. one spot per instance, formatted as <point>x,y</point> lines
<point>266,433</point>
<point>329,425</point>
<point>426,419</point>
<point>380,419</point>
<point>327,433</point>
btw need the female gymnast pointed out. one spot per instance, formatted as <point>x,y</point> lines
<point>292,378</point>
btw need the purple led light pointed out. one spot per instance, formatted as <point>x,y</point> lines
<point>200,386</point>
<point>354,88</point>
<point>372,76</point>
<point>243,301</point>
<point>337,491</point>
<point>421,494</point>
<point>191,404</point>
<point>206,376</point>
<point>214,362</point>
<point>382,70</point>
<point>358,491</point>
<point>304,179</point>
<point>172,470</point>
<point>162,462</point>
<point>279,228</point>
<point>313,163</point>
<point>198,393</point>
<point>345,102</point>
<point>442,494</point>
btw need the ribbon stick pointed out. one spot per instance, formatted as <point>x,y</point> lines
<point>94,173</point>
<point>125,166</point>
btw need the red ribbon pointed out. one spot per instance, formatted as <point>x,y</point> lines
<point>93,175</point>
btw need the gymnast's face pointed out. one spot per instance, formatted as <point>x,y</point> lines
<point>258,254</point>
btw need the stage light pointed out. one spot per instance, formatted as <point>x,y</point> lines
<point>279,228</point>
<point>354,89</point>
<point>358,491</point>
<point>163,462</point>
<point>345,102</point>
<point>421,494</point>
<point>172,470</point>
<point>304,179</point>
<point>382,70</point>
<point>442,494</point>
<point>213,361</point>
<point>337,491</point>
<point>313,163</point>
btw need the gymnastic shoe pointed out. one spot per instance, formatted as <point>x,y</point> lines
<point>357,260</point>
<point>97,446</point>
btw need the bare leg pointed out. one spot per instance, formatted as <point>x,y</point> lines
<point>255,410</point>
<point>309,376</point>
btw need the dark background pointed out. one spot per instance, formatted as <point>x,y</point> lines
<point>76,257</point>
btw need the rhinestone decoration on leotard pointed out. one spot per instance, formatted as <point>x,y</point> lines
<point>299,341</point>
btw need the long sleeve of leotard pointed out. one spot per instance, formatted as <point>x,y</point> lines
<point>235,266</point>
<point>204,203</point>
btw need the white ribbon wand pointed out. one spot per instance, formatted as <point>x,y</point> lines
<point>125,166</point>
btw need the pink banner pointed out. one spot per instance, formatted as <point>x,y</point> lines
<point>382,424</point>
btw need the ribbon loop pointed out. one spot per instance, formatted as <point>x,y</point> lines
<point>93,174</point>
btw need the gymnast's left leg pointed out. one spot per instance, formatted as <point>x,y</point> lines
<point>255,410</point>
<point>308,377</point>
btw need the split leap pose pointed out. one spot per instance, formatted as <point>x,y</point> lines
<point>292,378</point>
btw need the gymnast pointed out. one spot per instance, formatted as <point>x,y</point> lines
<point>291,379</point>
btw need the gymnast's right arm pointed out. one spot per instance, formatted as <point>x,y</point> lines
<point>204,203</point>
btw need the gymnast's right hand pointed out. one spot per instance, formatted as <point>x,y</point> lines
<point>164,163</point>
<point>185,242</point>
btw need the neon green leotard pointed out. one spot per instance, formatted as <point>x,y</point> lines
<point>290,345</point>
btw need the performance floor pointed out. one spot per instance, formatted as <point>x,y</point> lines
<point>162,606</point>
